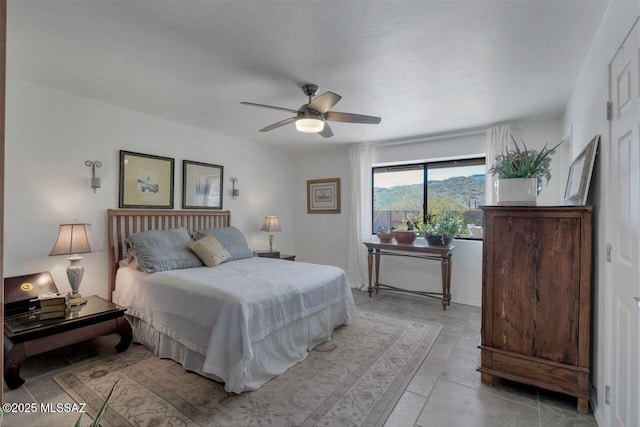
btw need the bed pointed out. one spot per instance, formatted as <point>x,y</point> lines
<point>241,322</point>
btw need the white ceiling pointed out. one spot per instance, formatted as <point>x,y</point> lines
<point>423,66</point>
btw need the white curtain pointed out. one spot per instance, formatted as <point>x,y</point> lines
<point>497,139</point>
<point>359,219</point>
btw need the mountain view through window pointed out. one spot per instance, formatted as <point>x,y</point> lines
<point>407,196</point>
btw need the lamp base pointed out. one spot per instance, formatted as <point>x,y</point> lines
<point>75,270</point>
<point>77,299</point>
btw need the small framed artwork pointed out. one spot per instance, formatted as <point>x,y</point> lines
<point>201,185</point>
<point>579,179</point>
<point>323,196</point>
<point>146,181</point>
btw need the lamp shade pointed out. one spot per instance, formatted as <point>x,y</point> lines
<point>270,224</point>
<point>75,239</point>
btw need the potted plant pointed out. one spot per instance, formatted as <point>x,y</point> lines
<point>442,231</point>
<point>403,235</point>
<point>384,234</point>
<point>520,172</point>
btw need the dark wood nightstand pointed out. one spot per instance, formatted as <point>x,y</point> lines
<point>26,335</point>
<point>274,254</point>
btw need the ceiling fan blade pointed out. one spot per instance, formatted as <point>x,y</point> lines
<point>253,104</point>
<point>279,124</point>
<point>336,116</point>
<point>324,102</point>
<point>326,131</point>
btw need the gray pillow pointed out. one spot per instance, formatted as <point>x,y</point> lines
<point>162,250</point>
<point>231,238</point>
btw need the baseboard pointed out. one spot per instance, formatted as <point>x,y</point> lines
<point>467,302</point>
<point>593,402</point>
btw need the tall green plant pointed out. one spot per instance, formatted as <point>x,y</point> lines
<point>524,163</point>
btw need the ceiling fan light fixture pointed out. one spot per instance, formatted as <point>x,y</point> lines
<point>314,116</point>
<point>309,125</point>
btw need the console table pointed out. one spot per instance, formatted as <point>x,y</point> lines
<point>414,250</point>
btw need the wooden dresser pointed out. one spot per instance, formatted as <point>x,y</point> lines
<point>536,297</point>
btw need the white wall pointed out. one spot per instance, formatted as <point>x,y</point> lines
<point>323,238</point>
<point>50,134</point>
<point>585,114</point>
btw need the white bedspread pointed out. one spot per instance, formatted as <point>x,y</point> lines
<point>223,312</point>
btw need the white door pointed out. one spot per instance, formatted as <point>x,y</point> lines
<point>623,216</point>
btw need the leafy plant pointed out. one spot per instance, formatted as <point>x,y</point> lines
<point>448,227</point>
<point>101,411</point>
<point>524,163</point>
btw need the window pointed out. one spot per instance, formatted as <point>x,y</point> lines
<point>410,195</point>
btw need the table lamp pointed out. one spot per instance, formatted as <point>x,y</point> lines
<point>74,239</point>
<point>270,224</point>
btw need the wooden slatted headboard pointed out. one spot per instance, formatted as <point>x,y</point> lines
<point>122,222</point>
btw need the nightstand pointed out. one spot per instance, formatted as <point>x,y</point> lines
<point>25,335</point>
<point>274,254</point>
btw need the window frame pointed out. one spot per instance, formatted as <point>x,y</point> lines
<point>424,165</point>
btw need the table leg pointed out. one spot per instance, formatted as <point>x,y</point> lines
<point>377,270</point>
<point>445,265</point>
<point>370,262</point>
<point>13,358</point>
<point>126,335</point>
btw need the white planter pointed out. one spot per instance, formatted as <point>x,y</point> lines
<point>517,191</point>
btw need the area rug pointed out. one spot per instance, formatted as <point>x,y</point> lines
<point>354,379</point>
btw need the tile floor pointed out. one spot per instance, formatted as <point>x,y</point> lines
<point>446,390</point>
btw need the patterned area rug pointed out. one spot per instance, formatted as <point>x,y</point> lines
<point>355,379</point>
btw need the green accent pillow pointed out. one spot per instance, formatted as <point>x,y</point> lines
<point>210,250</point>
<point>231,238</point>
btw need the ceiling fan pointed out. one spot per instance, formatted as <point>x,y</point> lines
<point>312,117</point>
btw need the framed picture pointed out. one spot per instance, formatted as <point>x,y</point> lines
<point>323,196</point>
<point>580,172</point>
<point>146,181</point>
<point>201,185</point>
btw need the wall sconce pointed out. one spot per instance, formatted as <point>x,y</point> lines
<point>234,191</point>
<point>95,181</point>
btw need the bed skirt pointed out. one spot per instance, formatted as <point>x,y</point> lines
<point>273,355</point>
